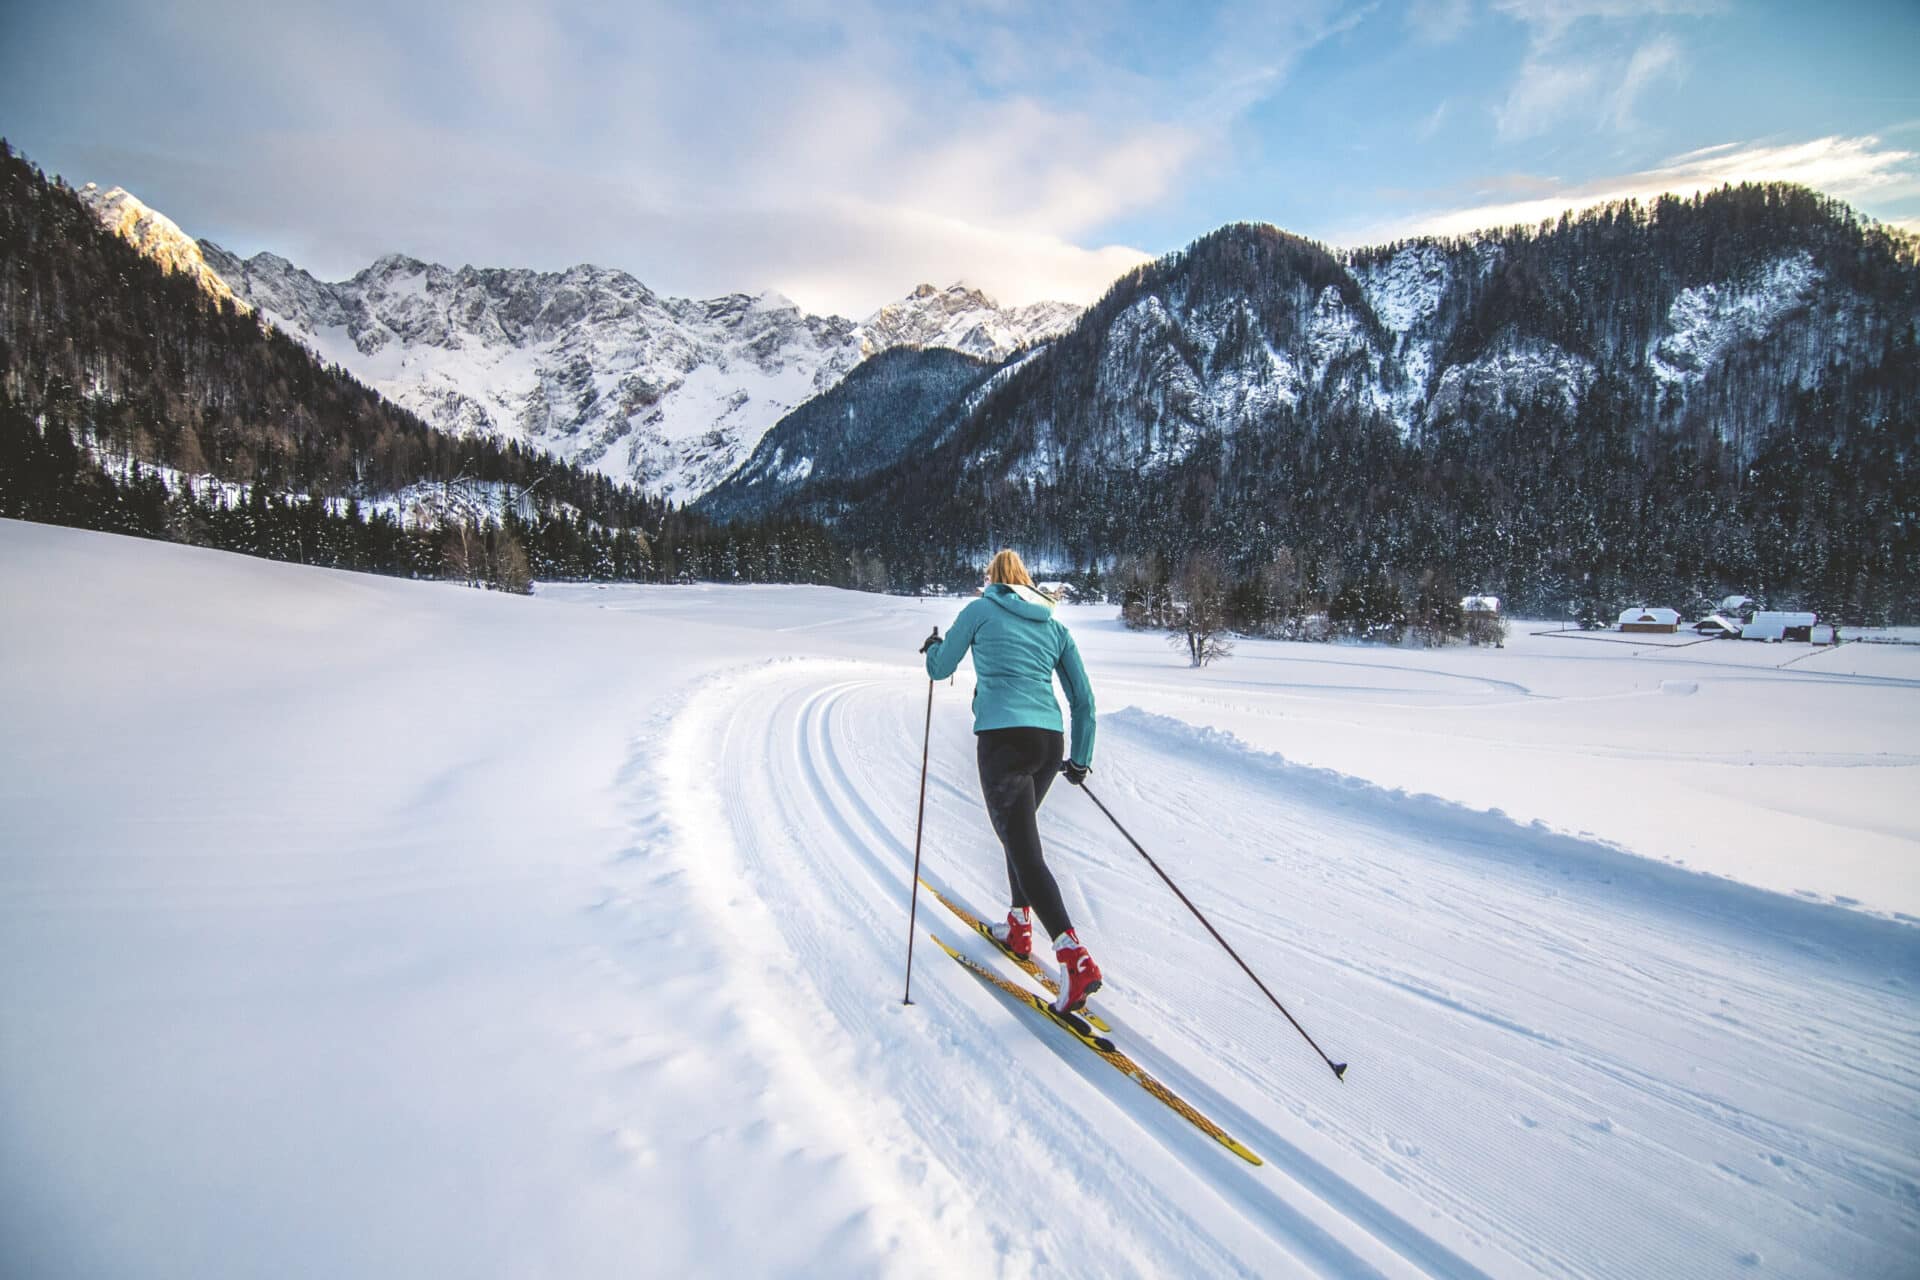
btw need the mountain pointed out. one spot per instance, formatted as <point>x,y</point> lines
<point>877,414</point>
<point>591,365</point>
<point>1641,401</point>
<point>156,236</point>
<point>588,364</point>
<point>136,398</point>
<point>965,319</point>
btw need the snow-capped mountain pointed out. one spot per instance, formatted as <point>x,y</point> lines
<point>965,319</point>
<point>594,367</point>
<point>155,235</point>
<point>1250,324</point>
<point>588,364</point>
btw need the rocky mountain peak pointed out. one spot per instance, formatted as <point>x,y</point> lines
<point>964,318</point>
<point>155,235</point>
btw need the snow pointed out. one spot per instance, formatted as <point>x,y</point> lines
<point>965,319</point>
<point>1705,320</point>
<point>1405,288</point>
<point>1510,373</point>
<point>360,927</point>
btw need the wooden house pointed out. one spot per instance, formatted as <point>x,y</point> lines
<point>1658,621</point>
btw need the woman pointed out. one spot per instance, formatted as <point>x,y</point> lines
<point>1018,648</point>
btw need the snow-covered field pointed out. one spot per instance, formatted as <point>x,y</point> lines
<point>360,927</point>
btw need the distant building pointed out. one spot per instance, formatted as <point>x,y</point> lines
<point>1484,623</point>
<point>1717,625</point>
<point>1641,618</point>
<point>1776,625</point>
<point>1738,607</point>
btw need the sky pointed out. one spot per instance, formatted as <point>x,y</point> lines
<point>841,153</point>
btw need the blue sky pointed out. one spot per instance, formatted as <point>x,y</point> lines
<point>843,152</point>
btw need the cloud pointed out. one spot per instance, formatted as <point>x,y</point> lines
<point>841,150</point>
<point>1572,73</point>
<point>1438,21</point>
<point>1847,168</point>
<point>1551,19</point>
<point>1656,60</point>
<point>1546,92</point>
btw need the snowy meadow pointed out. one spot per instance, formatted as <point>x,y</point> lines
<point>352,926</point>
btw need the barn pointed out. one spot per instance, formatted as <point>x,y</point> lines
<point>1780,625</point>
<point>1641,618</point>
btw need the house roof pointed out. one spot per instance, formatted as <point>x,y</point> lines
<point>1480,604</point>
<point>1642,613</point>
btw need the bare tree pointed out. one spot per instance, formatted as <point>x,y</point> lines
<point>461,553</point>
<point>507,568</point>
<point>1200,613</point>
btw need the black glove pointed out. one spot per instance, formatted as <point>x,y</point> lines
<point>931,640</point>
<point>1076,773</point>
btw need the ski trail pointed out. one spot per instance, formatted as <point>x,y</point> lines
<point>835,786</point>
<point>828,899</point>
<point>1535,1024</point>
<point>835,871</point>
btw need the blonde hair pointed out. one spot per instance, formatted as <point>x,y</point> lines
<point>1009,568</point>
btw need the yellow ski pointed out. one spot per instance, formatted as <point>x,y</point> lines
<point>1026,963</point>
<point>1104,1047</point>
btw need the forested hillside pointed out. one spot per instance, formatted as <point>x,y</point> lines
<point>881,411</point>
<point>1638,403</point>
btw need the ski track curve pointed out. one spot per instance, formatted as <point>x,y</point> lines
<point>1512,1014</point>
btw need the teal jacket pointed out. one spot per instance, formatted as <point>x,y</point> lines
<point>1018,648</point>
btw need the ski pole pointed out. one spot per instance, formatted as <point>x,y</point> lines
<point>1339,1068</point>
<point>913,910</point>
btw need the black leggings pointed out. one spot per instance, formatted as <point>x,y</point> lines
<point>1016,768</point>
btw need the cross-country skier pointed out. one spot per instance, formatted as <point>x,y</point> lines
<point>1019,647</point>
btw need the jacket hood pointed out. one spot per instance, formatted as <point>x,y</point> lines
<point>1021,602</point>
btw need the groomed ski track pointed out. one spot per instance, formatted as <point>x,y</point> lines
<point>1566,1061</point>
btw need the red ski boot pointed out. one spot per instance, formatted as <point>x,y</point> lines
<point>1080,976</point>
<point>1016,935</point>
